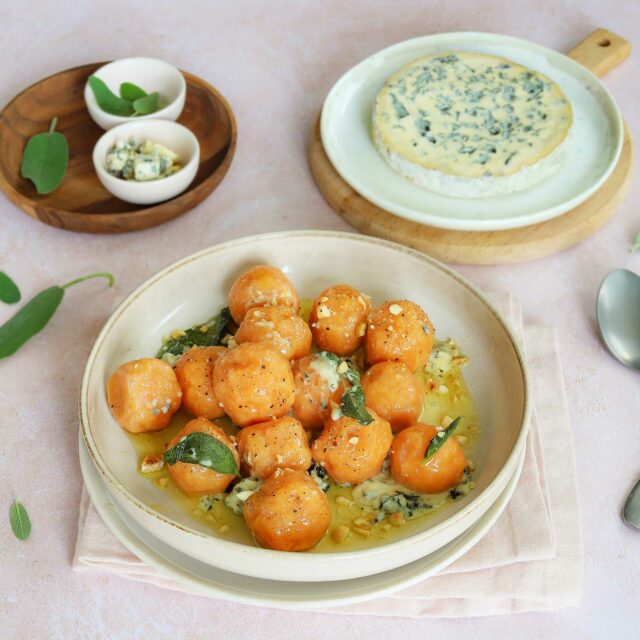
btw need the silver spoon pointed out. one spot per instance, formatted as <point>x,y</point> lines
<point>618,312</point>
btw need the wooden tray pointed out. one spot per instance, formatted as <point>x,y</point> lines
<point>81,203</point>
<point>600,52</point>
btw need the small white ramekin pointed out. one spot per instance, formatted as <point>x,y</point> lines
<point>172,135</point>
<point>149,74</point>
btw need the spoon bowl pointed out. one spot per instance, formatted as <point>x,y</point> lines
<point>618,313</point>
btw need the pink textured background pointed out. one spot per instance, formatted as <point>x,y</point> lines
<point>275,61</point>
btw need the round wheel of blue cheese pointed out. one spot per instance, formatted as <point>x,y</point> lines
<point>471,125</point>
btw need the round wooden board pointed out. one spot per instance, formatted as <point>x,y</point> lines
<point>490,247</point>
<point>81,203</point>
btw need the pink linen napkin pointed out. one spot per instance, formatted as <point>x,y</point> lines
<point>530,560</point>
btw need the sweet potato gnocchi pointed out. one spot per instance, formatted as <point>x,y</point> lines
<point>289,439</point>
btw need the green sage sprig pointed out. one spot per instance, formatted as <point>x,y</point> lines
<point>35,315</point>
<point>440,438</point>
<point>205,450</point>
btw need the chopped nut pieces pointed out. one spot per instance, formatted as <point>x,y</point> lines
<point>341,533</point>
<point>323,311</point>
<point>151,463</point>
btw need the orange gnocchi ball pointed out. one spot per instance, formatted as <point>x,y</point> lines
<point>351,452</point>
<point>339,319</point>
<point>289,512</point>
<point>194,479</point>
<point>394,393</point>
<point>143,395</point>
<point>400,331</point>
<point>194,371</point>
<point>280,443</point>
<point>253,383</point>
<point>261,286</point>
<point>318,384</point>
<point>281,327</point>
<point>442,471</point>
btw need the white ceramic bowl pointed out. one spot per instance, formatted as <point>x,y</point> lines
<point>170,134</point>
<point>194,288</point>
<point>149,74</point>
<point>204,579</point>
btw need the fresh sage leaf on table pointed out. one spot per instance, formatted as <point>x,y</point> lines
<point>440,438</point>
<point>19,518</point>
<point>636,244</point>
<point>109,101</point>
<point>9,292</point>
<point>45,159</point>
<point>131,92</point>
<point>205,450</point>
<point>35,314</point>
<point>146,105</point>
<point>200,335</point>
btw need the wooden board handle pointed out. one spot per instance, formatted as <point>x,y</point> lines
<point>601,51</point>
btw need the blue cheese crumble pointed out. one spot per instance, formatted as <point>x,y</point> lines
<point>141,161</point>
<point>382,496</point>
<point>240,493</point>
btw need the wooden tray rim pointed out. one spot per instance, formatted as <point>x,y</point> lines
<point>220,172</point>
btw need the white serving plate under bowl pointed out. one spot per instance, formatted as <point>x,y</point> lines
<point>149,74</point>
<point>194,288</point>
<point>201,578</point>
<point>595,139</point>
<point>172,135</point>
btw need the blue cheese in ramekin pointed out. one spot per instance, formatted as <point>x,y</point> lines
<point>141,161</point>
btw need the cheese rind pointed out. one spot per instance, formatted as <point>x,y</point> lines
<point>471,124</point>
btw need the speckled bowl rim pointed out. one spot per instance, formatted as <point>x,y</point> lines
<point>115,486</point>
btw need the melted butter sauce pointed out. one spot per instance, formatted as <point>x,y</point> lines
<point>457,401</point>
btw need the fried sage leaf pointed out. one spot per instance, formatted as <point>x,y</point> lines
<point>205,450</point>
<point>352,402</point>
<point>440,438</point>
<point>45,159</point>
<point>19,519</point>
<point>200,335</point>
